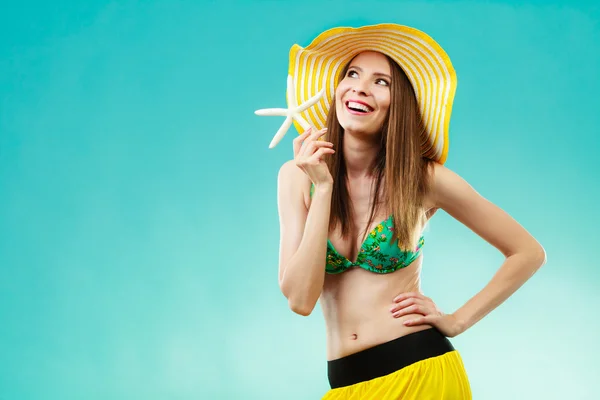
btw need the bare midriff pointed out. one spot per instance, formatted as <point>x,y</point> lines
<point>356,305</point>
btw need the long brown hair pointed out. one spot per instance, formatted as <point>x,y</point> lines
<point>399,163</point>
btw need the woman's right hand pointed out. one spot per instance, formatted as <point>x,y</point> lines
<point>309,153</point>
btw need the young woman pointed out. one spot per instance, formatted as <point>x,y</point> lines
<point>353,204</point>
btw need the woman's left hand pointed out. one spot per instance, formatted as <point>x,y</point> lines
<point>416,303</point>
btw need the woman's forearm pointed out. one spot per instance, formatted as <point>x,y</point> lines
<point>513,273</point>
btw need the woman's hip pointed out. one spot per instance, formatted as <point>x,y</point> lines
<point>421,365</point>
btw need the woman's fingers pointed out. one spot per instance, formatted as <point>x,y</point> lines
<point>297,143</point>
<point>414,309</point>
<point>315,158</point>
<point>407,295</point>
<point>409,306</point>
<point>310,153</point>
<point>311,139</point>
<point>321,152</point>
<point>312,147</point>
<point>405,303</point>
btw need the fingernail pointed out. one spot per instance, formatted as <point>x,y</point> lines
<point>407,322</point>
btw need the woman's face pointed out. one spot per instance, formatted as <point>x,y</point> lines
<point>363,96</point>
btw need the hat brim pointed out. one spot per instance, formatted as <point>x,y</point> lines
<point>425,63</point>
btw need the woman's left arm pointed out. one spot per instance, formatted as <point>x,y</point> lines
<point>524,255</point>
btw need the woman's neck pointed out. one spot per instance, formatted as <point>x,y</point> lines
<point>359,156</point>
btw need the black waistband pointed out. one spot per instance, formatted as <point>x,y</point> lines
<point>387,357</point>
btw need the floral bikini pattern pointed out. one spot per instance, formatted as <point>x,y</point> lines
<point>377,253</point>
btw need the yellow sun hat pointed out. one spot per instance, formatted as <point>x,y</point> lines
<point>316,69</point>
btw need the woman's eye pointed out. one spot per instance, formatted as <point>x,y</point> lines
<point>383,82</point>
<point>352,74</point>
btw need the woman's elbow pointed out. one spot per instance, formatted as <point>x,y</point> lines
<point>539,255</point>
<point>297,303</point>
<point>301,308</point>
<point>535,255</point>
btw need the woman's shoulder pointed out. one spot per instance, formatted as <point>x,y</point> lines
<point>289,168</point>
<point>446,186</point>
<point>291,172</point>
<point>437,171</point>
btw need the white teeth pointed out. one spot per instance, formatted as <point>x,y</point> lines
<point>359,106</point>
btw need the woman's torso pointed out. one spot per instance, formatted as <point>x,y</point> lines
<point>356,303</point>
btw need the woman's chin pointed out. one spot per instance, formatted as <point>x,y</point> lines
<point>359,129</point>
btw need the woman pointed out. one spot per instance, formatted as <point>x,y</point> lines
<point>353,204</point>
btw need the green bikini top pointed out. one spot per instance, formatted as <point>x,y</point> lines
<point>377,253</point>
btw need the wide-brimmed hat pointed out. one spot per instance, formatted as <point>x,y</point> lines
<point>316,68</point>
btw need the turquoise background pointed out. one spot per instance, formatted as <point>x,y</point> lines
<point>138,218</point>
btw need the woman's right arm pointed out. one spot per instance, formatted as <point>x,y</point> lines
<point>303,240</point>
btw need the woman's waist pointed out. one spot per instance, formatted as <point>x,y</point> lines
<point>358,313</point>
<point>387,357</point>
<point>359,332</point>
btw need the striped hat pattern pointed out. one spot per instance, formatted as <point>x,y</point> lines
<point>425,63</point>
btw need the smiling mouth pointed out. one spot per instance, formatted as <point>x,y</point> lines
<point>358,108</point>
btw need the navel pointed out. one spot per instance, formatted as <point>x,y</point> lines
<point>354,336</point>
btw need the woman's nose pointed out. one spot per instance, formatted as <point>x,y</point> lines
<point>360,87</point>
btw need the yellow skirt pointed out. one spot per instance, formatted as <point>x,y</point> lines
<point>440,377</point>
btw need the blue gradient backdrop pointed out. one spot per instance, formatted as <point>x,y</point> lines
<point>138,219</point>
